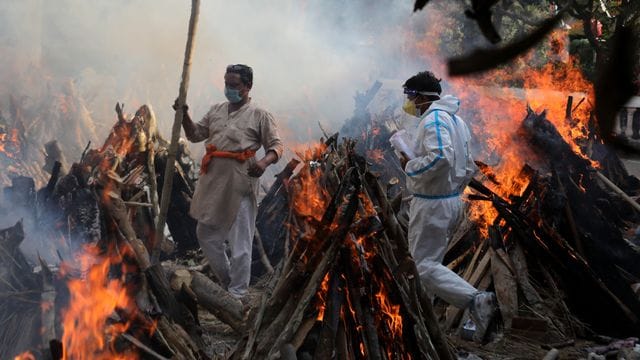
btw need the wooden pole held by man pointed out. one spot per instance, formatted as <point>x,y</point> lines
<point>175,133</point>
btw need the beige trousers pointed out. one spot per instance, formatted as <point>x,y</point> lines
<point>233,270</point>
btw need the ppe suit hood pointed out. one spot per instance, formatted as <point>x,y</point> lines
<point>447,103</point>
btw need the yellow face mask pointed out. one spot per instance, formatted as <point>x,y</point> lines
<point>410,108</point>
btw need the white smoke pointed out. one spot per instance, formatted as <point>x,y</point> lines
<point>309,57</point>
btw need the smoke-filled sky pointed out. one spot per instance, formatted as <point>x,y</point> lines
<point>309,57</point>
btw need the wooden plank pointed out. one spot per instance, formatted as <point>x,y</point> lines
<point>522,275</point>
<point>505,287</point>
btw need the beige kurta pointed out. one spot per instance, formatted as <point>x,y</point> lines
<point>218,192</point>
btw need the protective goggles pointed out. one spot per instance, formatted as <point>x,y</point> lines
<point>414,93</point>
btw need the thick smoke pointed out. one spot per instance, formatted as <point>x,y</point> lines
<point>309,57</point>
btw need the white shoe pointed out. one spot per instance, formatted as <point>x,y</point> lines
<point>483,307</point>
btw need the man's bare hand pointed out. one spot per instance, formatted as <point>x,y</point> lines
<point>257,169</point>
<point>175,106</point>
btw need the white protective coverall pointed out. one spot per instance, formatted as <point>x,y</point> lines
<point>436,177</point>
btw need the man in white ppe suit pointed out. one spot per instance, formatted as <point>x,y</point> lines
<point>439,166</point>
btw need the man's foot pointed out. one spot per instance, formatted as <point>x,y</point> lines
<point>483,306</point>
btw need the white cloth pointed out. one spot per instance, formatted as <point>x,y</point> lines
<point>400,142</point>
<point>234,273</point>
<point>437,176</point>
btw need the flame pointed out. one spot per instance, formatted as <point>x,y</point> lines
<point>367,205</point>
<point>494,105</point>
<point>390,319</point>
<point>89,332</point>
<point>391,312</point>
<point>25,356</point>
<point>10,144</point>
<point>322,294</point>
<point>310,198</point>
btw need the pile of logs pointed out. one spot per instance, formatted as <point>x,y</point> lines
<point>347,287</point>
<point>555,255</point>
<point>108,201</point>
<point>31,119</point>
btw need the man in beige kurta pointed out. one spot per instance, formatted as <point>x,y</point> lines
<point>224,202</point>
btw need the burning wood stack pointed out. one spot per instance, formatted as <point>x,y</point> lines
<point>554,252</point>
<point>28,125</point>
<point>347,287</point>
<point>109,299</point>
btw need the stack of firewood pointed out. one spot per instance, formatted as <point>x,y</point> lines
<point>108,201</point>
<point>555,255</point>
<point>347,287</point>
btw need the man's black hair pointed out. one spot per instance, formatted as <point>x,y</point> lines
<point>245,72</point>
<point>423,81</point>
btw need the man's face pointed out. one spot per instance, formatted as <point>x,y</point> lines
<point>419,100</point>
<point>233,81</point>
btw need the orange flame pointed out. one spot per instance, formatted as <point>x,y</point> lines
<point>391,312</point>
<point>309,197</point>
<point>10,144</point>
<point>494,103</point>
<point>89,332</point>
<point>498,110</point>
<point>322,294</point>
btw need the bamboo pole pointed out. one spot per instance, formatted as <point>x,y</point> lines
<point>618,191</point>
<point>175,133</point>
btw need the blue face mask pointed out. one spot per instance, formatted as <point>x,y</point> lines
<point>233,95</point>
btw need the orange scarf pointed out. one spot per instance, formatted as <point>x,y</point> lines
<point>212,152</point>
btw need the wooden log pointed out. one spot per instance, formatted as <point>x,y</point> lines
<point>257,241</point>
<point>327,343</point>
<point>301,335</point>
<point>309,293</point>
<point>143,347</point>
<point>577,237</point>
<point>362,308</point>
<point>187,297</point>
<point>399,285</point>
<point>118,211</point>
<point>350,187</point>
<point>343,348</point>
<point>505,288</point>
<point>294,276</point>
<point>252,334</point>
<point>618,191</point>
<point>179,341</point>
<point>522,275</point>
<point>268,336</point>
<point>219,302</point>
<point>175,310</point>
